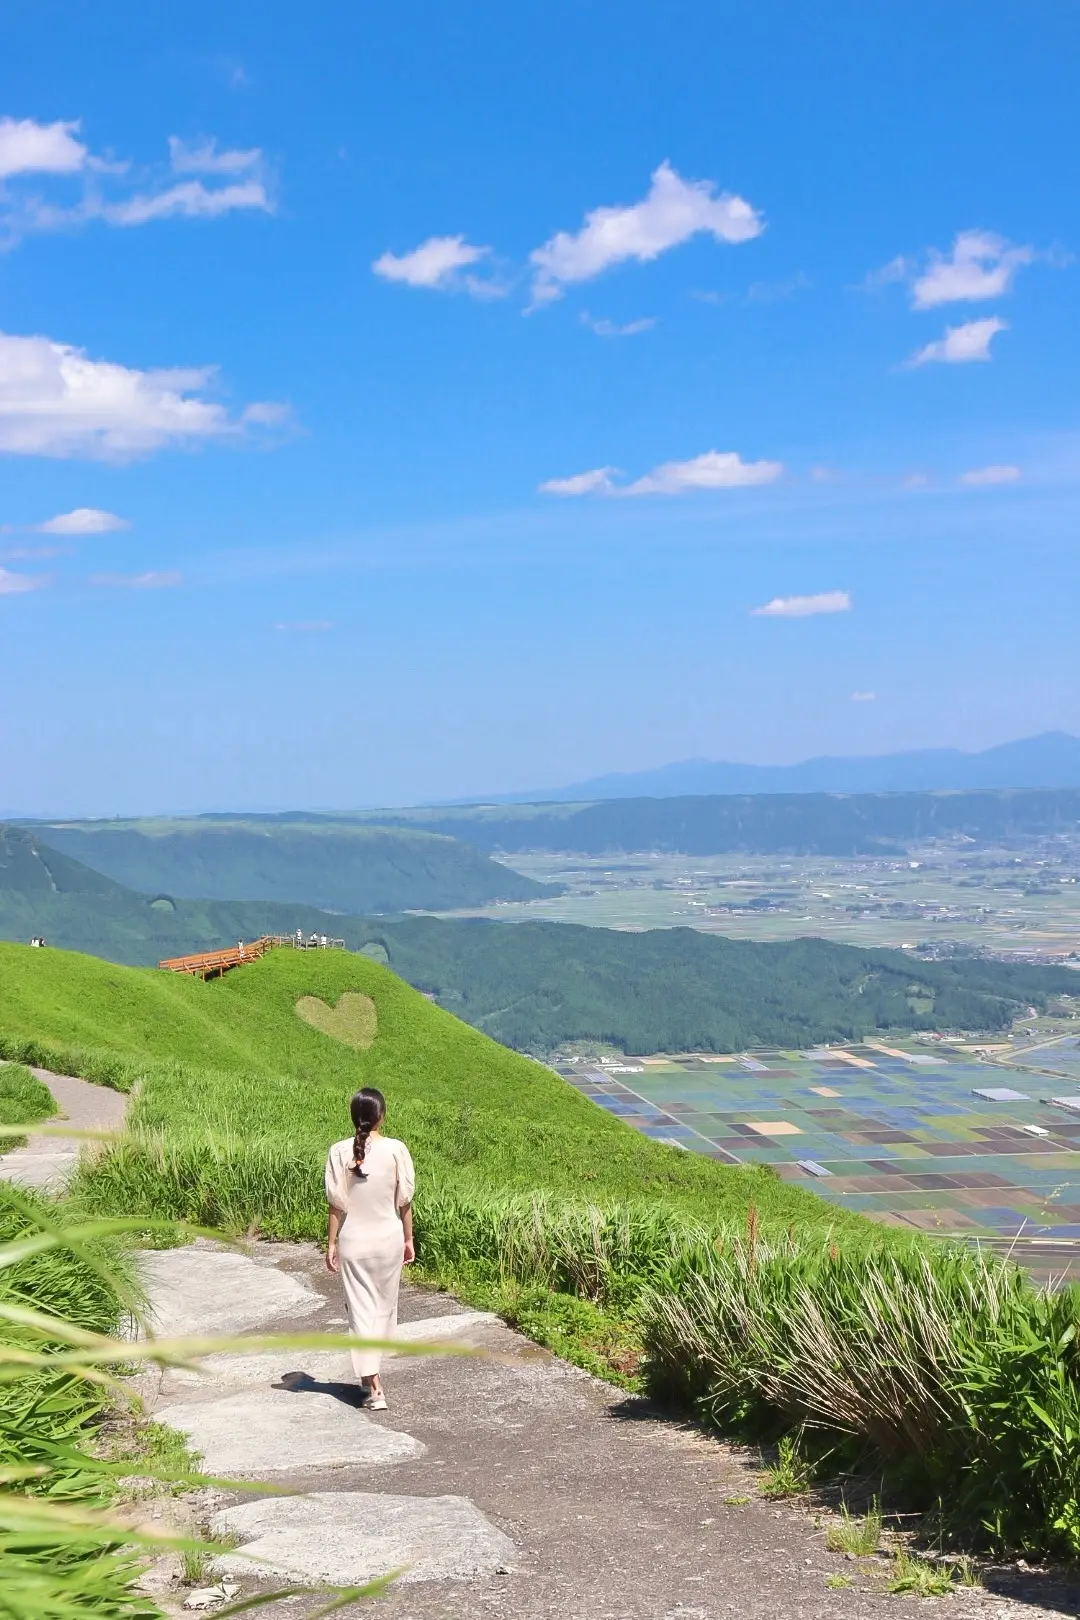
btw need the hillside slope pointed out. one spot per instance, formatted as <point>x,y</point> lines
<point>346,867</point>
<point>536,985</point>
<point>43,892</point>
<point>240,1098</point>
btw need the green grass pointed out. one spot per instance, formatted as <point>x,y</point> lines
<point>51,1570</point>
<point>919,1577</point>
<point>857,1534</point>
<point>24,1100</point>
<point>790,1475</point>
<point>943,1368</point>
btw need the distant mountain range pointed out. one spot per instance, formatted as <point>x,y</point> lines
<point>1051,760</point>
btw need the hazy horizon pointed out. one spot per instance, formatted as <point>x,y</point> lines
<point>481,797</point>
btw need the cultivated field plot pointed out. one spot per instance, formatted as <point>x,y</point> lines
<point>1024,900</point>
<point>895,1130</point>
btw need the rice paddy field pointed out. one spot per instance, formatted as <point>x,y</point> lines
<point>1024,900</point>
<point>948,1138</point>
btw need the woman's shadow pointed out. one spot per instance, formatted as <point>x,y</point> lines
<point>302,1383</point>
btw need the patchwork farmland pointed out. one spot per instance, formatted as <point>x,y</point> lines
<point>946,1138</point>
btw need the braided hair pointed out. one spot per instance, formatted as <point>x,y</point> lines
<point>368,1110</point>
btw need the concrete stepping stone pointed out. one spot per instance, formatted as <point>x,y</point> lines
<point>275,1431</point>
<point>205,1291</point>
<point>345,1538</point>
<point>431,1329</point>
<point>322,1366</point>
<point>47,1171</point>
<point>220,1372</point>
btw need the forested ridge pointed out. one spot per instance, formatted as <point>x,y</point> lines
<point>536,985</point>
<point>759,823</point>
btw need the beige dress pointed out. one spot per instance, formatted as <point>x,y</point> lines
<point>371,1245</point>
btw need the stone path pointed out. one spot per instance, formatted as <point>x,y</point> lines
<point>513,1487</point>
<point>47,1162</point>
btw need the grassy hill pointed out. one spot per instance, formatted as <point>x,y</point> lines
<point>344,866</point>
<point>240,1096</point>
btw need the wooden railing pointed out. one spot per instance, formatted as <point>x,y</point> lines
<point>210,964</point>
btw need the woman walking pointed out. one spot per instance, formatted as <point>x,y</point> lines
<point>369,1187</point>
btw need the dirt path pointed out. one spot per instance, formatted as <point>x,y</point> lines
<point>48,1161</point>
<point>512,1487</point>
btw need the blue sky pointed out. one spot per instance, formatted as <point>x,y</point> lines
<point>411,402</point>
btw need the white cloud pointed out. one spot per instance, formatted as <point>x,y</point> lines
<point>673,211</point>
<point>864,697</point>
<point>188,199</point>
<point>608,329</point>
<point>16,584</point>
<point>84,520</point>
<point>986,477</point>
<point>56,401</point>
<point>716,469</point>
<point>265,413</point>
<point>203,157</point>
<point>898,269</point>
<point>962,344</point>
<point>981,265</point>
<point>30,148</point>
<point>34,553</point>
<point>596,482</point>
<point>438,263</point>
<point>236,181</point>
<point>804,607</point>
<point>150,581</point>
<point>774,292</point>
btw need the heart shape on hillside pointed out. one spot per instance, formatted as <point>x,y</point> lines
<point>353,1021</point>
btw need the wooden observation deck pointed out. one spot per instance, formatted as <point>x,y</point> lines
<point>211,964</point>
